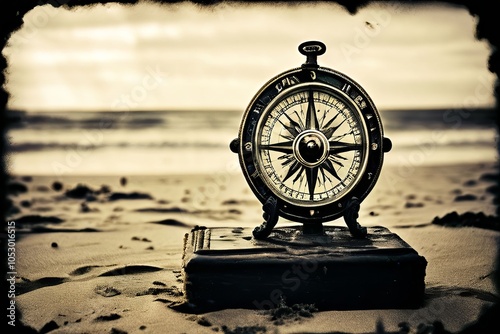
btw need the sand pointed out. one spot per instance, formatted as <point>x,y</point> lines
<point>103,254</point>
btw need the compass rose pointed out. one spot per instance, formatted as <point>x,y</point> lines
<point>311,145</point>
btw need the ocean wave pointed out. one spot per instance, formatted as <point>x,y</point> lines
<point>429,119</point>
<point>122,120</point>
<point>205,130</point>
<point>34,146</point>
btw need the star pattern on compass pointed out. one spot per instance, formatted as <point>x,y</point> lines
<point>311,147</point>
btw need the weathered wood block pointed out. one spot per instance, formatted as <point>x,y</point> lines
<point>227,268</point>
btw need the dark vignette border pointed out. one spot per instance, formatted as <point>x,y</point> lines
<point>11,19</point>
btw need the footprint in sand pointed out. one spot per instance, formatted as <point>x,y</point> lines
<point>27,285</point>
<point>171,291</point>
<point>124,270</point>
<point>107,291</point>
<point>82,270</point>
<point>108,317</point>
<point>130,270</point>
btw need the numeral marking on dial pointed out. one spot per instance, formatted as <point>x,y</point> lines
<point>346,88</point>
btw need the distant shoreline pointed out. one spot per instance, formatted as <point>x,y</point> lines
<point>388,109</point>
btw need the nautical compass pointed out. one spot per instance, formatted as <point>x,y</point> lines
<point>311,146</point>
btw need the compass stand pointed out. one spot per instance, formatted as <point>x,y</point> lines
<point>271,215</point>
<point>230,268</point>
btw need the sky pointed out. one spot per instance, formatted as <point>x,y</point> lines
<point>152,57</point>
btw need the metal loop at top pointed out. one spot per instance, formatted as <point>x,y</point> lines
<point>312,49</point>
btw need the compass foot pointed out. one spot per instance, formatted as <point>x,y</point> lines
<point>270,216</point>
<point>351,215</point>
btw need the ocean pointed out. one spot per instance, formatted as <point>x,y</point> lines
<point>180,142</point>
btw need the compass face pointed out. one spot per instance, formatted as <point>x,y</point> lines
<point>312,139</point>
<point>311,145</point>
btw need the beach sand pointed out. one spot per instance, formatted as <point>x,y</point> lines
<point>105,256</point>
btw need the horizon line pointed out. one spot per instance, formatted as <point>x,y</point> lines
<point>388,109</point>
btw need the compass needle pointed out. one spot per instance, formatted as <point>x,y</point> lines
<point>286,137</point>
<point>293,168</point>
<point>337,147</point>
<point>284,147</point>
<point>335,161</point>
<point>289,136</point>
<point>323,118</point>
<point>330,131</point>
<point>322,121</point>
<point>288,159</point>
<point>322,170</point>
<point>326,128</point>
<point>311,118</point>
<point>312,177</point>
<point>299,176</point>
<point>298,117</point>
<point>337,138</point>
<point>337,156</point>
<point>329,167</point>
<point>294,128</point>
<point>287,162</point>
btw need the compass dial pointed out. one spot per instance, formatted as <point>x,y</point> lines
<point>311,142</point>
<point>311,145</point>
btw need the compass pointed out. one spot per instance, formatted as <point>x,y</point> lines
<point>311,146</point>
